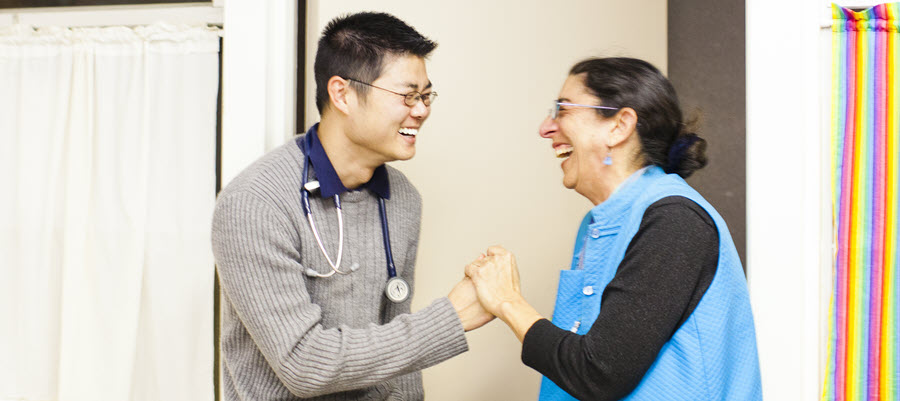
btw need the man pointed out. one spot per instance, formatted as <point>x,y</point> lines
<point>307,313</point>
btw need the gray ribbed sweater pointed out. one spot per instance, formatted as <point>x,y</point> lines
<point>286,335</point>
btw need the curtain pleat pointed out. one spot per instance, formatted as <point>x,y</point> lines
<point>862,346</point>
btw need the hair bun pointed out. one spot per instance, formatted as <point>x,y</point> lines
<point>686,155</point>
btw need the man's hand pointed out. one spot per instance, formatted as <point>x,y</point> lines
<point>469,310</point>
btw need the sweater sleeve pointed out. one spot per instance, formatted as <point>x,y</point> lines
<point>263,280</point>
<point>667,268</point>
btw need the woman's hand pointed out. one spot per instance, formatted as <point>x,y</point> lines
<point>496,279</point>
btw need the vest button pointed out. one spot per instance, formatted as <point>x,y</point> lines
<point>595,233</point>
<point>588,290</point>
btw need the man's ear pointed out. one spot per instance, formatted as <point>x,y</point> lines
<point>626,125</point>
<point>339,94</point>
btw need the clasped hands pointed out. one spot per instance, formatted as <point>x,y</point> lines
<point>490,287</point>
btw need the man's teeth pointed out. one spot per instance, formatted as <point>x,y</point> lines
<point>563,151</point>
<point>409,131</point>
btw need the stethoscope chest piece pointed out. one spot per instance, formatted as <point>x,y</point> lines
<point>397,290</point>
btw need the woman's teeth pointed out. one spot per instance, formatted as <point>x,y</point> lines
<point>408,131</point>
<point>563,151</point>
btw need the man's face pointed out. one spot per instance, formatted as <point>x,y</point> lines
<point>382,123</point>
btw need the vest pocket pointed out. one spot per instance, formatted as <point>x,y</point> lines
<point>567,311</point>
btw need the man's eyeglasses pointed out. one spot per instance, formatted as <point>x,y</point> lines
<point>411,98</point>
<point>554,111</point>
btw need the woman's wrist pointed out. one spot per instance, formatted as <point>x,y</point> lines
<point>519,315</point>
<point>510,307</point>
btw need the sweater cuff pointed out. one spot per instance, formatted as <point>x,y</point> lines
<point>539,344</point>
<point>443,333</point>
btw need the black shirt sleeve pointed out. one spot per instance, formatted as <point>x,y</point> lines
<point>667,268</point>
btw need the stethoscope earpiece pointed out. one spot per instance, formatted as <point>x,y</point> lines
<point>311,186</point>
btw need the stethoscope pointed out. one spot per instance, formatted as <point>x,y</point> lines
<point>397,289</point>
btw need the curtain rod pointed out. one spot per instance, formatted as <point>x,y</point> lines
<point>99,16</point>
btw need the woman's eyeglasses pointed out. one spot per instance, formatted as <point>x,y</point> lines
<point>554,111</point>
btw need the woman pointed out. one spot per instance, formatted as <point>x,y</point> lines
<point>655,305</point>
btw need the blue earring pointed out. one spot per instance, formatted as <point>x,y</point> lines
<point>608,160</point>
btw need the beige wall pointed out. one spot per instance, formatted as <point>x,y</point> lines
<point>485,175</point>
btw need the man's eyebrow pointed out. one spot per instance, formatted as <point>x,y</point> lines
<point>563,100</point>
<point>415,86</point>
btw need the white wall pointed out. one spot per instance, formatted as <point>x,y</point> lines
<point>497,67</point>
<point>258,80</point>
<point>788,194</point>
<point>485,175</point>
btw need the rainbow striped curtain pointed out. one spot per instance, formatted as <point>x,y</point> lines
<point>863,352</point>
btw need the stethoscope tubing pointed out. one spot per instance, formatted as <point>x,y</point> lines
<point>307,209</point>
<point>304,195</point>
<point>392,271</point>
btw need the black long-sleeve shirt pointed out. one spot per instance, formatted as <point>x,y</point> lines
<point>667,268</point>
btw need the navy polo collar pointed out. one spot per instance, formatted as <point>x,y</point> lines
<point>329,182</point>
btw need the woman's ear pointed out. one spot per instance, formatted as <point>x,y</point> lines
<point>339,94</point>
<point>626,125</point>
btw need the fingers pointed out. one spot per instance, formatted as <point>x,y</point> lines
<point>476,265</point>
<point>472,270</point>
<point>496,258</point>
<point>497,250</point>
<point>483,262</point>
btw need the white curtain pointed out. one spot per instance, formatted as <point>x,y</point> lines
<point>107,184</point>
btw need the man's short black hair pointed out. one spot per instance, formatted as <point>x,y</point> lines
<point>355,46</point>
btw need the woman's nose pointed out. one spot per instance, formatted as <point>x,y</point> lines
<point>548,127</point>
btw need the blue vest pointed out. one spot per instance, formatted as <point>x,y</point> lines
<point>712,356</point>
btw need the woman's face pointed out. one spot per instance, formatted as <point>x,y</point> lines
<point>579,137</point>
